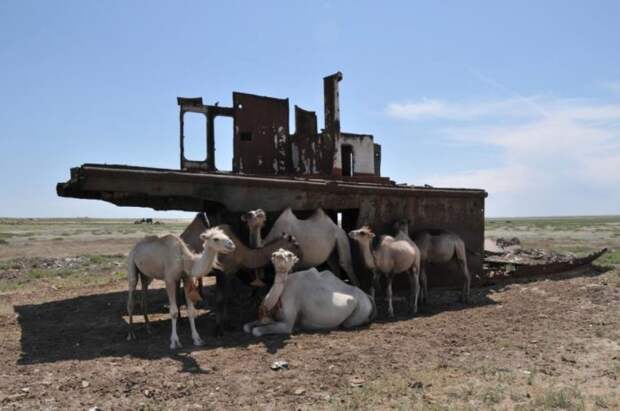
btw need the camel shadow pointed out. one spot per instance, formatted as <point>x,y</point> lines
<point>95,326</point>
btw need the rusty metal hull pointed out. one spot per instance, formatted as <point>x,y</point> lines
<point>226,195</point>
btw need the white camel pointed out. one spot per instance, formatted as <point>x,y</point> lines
<point>311,299</point>
<point>437,247</point>
<point>390,256</point>
<point>317,237</point>
<point>167,258</point>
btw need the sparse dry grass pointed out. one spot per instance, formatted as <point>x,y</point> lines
<point>503,352</point>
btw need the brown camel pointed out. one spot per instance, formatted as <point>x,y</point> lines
<point>390,256</point>
<point>437,247</point>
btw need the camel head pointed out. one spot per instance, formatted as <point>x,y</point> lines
<point>402,225</point>
<point>255,219</point>
<point>215,239</point>
<point>283,260</point>
<point>363,234</point>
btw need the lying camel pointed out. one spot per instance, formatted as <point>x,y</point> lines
<point>317,237</point>
<point>438,247</point>
<point>314,300</point>
<point>390,256</point>
<point>167,258</point>
<point>242,258</point>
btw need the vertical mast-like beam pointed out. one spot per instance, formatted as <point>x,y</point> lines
<point>332,118</point>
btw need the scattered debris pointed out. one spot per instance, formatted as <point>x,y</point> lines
<point>85,384</point>
<point>279,365</point>
<point>417,385</point>
<point>356,382</point>
<point>300,391</point>
<point>507,258</point>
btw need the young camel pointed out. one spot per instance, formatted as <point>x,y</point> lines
<point>242,258</point>
<point>167,258</point>
<point>438,247</point>
<point>317,236</point>
<point>314,300</point>
<point>390,256</point>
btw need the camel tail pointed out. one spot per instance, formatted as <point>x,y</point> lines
<point>471,252</point>
<point>344,255</point>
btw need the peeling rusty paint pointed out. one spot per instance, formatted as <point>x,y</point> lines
<point>274,169</point>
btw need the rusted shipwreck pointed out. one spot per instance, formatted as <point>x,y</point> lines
<point>273,168</point>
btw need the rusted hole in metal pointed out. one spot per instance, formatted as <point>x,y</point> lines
<point>195,136</point>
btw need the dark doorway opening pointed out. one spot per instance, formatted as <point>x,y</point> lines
<point>347,160</point>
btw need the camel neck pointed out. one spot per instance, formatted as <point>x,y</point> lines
<point>275,292</point>
<point>256,240</point>
<point>369,258</point>
<point>202,263</point>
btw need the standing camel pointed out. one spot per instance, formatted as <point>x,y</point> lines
<point>317,237</point>
<point>311,299</point>
<point>390,256</point>
<point>242,258</point>
<point>438,247</point>
<point>167,258</point>
<point>255,219</point>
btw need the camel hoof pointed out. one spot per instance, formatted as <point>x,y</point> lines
<point>256,332</point>
<point>199,342</point>
<point>175,344</point>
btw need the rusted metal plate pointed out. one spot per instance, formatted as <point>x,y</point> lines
<point>458,210</point>
<point>313,153</point>
<point>261,141</point>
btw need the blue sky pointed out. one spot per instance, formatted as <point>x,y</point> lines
<point>520,98</point>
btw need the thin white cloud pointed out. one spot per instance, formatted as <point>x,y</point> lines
<point>613,86</point>
<point>551,150</point>
<point>467,111</point>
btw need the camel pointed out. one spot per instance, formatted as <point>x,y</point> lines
<point>317,237</point>
<point>314,300</point>
<point>255,219</point>
<point>242,258</point>
<point>390,256</point>
<point>438,247</point>
<point>167,258</point>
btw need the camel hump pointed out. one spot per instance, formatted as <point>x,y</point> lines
<point>318,214</point>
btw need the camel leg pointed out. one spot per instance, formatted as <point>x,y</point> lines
<point>145,281</point>
<point>191,313</point>
<point>247,327</point>
<point>201,290</point>
<point>279,327</point>
<point>414,289</point>
<point>171,289</point>
<point>424,281</point>
<point>221,302</point>
<point>461,258</point>
<point>132,279</point>
<point>388,294</point>
<point>375,285</point>
<point>334,264</point>
<point>344,256</point>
